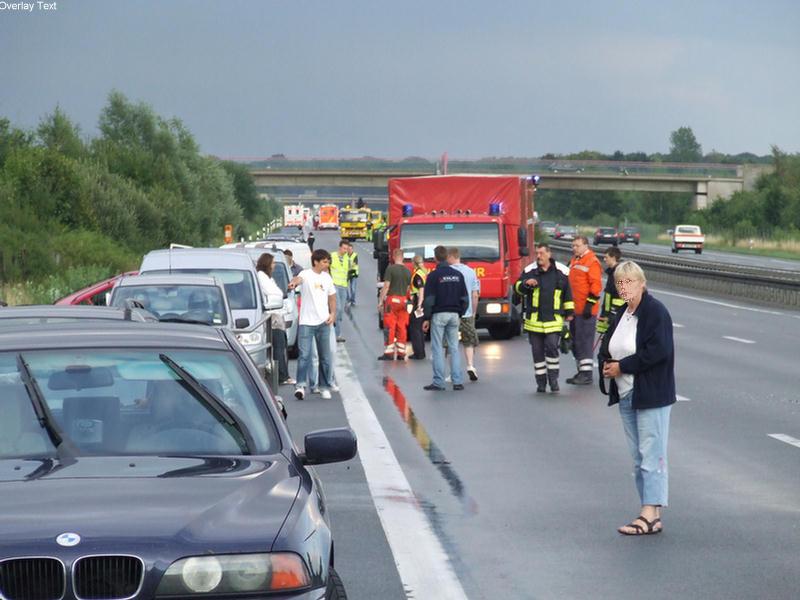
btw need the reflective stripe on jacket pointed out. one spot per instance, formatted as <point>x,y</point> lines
<point>422,274</point>
<point>340,265</point>
<point>586,281</point>
<point>611,301</point>
<point>544,305</point>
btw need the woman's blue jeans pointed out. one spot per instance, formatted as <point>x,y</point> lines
<point>647,431</point>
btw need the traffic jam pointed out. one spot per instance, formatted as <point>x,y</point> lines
<point>147,445</point>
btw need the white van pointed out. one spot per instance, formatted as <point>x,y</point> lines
<point>237,273</point>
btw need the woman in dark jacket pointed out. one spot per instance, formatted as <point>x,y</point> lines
<point>638,356</point>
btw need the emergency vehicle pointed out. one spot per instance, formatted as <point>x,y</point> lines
<point>353,223</point>
<point>294,215</point>
<point>328,217</point>
<point>489,218</point>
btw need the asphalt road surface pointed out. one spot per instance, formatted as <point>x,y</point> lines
<point>496,492</point>
<point>745,260</point>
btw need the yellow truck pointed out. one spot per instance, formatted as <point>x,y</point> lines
<point>353,223</point>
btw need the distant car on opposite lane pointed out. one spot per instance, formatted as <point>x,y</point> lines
<point>605,235</point>
<point>565,232</point>
<point>547,227</point>
<point>629,235</point>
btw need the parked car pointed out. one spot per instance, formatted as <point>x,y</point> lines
<point>629,235</point>
<point>565,232</point>
<point>605,235</point>
<point>177,298</point>
<point>95,294</point>
<point>237,273</point>
<point>547,227</point>
<point>23,316</point>
<point>150,460</point>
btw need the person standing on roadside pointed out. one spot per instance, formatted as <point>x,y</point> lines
<point>292,265</point>
<point>415,334</point>
<point>317,312</point>
<point>586,283</point>
<point>546,303</point>
<point>393,304</point>
<point>446,299</point>
<point>638,356</point>
<point>310,239</point>
<point>273,296</point>
<point>611,300</point>
<point>466,326</point>
<point>352,275</point>
<point>340,267</point>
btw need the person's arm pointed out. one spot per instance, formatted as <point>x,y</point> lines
<point>331,303</point>
<point>568,303</point>
<point>429,294</point>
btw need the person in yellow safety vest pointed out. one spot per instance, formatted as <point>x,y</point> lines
<point>340,267</point>
<point>352,276</point>
<point>611,299</point>
<point>546,303</point>
<point>415,333</point>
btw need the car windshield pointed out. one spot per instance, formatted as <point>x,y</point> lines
<point>122,402</point>
<point>475,241</point>
<point>607,230</point>
<point>353,217</point>
<point>631,230</point>
<point>239,285</point>
<point>202,303</point>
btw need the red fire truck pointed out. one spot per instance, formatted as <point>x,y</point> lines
<point>489,218</point>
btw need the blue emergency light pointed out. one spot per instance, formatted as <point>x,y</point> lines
<point>408,210</point>
<point>494,209</point>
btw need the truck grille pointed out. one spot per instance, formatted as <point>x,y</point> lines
<point>107,577</point>
<point>32,579</point>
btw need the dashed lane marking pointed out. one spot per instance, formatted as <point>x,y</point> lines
<point>423,565</point>
<point>736,339</point>
<point>782,437</point>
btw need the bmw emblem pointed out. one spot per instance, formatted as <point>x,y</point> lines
<point>68,539</point>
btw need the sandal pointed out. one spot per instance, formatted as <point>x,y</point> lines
<point>639,530</point>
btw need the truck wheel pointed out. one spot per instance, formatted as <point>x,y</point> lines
<point>698,250</point>
<point>335,588</point>
<point>503,332</point>
<point>674,250</point>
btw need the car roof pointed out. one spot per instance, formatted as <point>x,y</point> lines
<point>114,334</point>
<point>175,279</point>
<point>73,311</point>
<point>195,258</point>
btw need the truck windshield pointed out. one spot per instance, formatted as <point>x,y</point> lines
<point>475,241</point>
<point>353,217</point>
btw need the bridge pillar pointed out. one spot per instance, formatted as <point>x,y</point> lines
<point>700,200</point>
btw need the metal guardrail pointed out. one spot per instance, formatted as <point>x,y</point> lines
<point>779,287</point>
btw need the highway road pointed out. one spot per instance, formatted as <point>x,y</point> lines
<point>497,492</point>
<point>745,260</point>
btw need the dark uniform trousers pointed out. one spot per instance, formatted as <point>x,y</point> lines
<point>415,334</point>
<point>545,349</point>
<point>582,331</point>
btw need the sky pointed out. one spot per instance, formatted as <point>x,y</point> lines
<point>347,78</point>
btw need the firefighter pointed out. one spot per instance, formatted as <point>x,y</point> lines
<point>415,334</point>
<point>546,303</point>
<point>586,283</point>
<point>393,303</point>
<point>611,299</point>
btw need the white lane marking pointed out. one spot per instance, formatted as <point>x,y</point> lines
<point>736,339</point>
<point>680,398</point>
<point>726,304</point>
<point>423,564</point>
<point>781,437</point>
<point>678,325</point>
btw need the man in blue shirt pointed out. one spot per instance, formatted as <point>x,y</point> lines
<point>466,327</point>
<point>446,299</point>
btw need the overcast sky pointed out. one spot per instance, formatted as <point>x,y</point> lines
<point>342,78</point>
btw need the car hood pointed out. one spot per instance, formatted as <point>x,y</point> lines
<point>204,502</point>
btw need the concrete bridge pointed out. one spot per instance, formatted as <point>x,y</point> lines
<point>708,183</point>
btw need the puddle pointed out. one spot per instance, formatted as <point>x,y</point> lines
<point>431,450</point>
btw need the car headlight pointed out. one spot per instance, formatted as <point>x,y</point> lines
<point>254,338</point>
<point>234,573</point>
<point>494,308</point>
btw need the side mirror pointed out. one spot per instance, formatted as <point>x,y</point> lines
<point>241,323</point>
<point>329,446</point>
<point>274,306</point>
<point>522,239</point>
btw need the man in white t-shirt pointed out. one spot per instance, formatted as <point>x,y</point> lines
<point>317,313</point>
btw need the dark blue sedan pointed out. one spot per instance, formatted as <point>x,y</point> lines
<point>143,460</point>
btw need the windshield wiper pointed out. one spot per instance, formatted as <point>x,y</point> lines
<point>40,407</point>
<point>222,413</point>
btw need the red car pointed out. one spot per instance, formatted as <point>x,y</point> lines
<point>94,294</point>
<point>629,234</point>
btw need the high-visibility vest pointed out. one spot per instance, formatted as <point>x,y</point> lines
<point>423,273</point>
<point>340,265</point>
<point>353,262</point>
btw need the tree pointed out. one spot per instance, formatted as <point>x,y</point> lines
<point>684,147</point>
